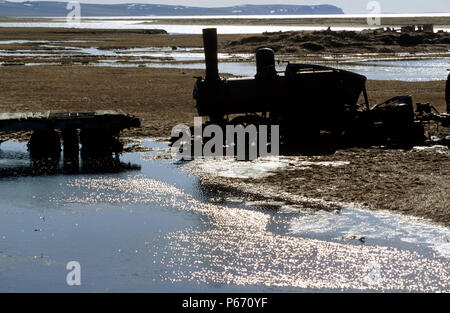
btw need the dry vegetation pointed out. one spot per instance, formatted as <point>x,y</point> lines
<point>385,43</point>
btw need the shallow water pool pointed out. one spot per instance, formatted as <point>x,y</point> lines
<point>412,70</point>
<point>424,67</point>
<point>150,225</point>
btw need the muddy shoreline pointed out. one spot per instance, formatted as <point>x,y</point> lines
<point>415,182</point>
<point>345,44</point>
<point>290,45</point>
<point>410,182</point>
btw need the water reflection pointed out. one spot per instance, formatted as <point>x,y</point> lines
<point>161,229</point>
<point>15,161</point>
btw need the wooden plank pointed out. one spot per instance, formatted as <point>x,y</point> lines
<point>30,121</point>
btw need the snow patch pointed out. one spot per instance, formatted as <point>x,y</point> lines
<point>373,225</point>
<point>231,168</point>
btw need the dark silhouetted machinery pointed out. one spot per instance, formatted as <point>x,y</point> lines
<point>306,101</point>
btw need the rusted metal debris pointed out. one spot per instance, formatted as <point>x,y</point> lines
<point>96,131</point>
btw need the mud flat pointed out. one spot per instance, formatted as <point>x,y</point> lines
<point>346,44</point>
<point>162,98</point>
<point>307,45</point>
<point>414,182</point>
<point>104,38</point>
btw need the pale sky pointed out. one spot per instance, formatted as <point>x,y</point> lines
<point>349,6</point>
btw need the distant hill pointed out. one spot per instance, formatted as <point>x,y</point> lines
<point>59,9</point>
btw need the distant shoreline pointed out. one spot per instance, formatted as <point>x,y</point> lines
<point>231,24</point>
<point>259,16</point>
<point>60,8</point>
<point>306,19</point>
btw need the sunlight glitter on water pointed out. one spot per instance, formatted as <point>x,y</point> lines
<point>158,229</point>
<point>174,29</point>
<point>253,247</point>
<point>127,23</point>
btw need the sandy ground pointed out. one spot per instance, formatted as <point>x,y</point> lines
<point>412,182</point>
<point>162,98</point>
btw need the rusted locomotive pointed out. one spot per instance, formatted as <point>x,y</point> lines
<point>293,98</point>
<point>306,100</point>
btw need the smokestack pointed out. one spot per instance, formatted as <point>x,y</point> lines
<point>210,48</point>
<point>447,94</point>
